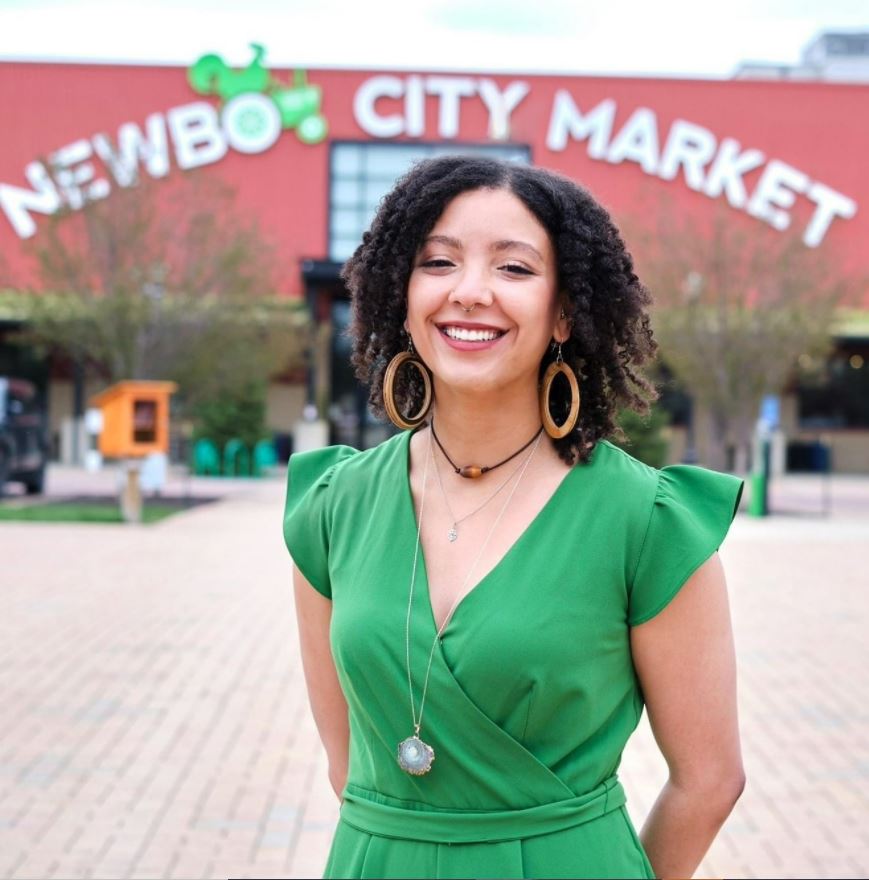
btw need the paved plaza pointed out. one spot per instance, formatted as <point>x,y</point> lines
<point>155,724</point>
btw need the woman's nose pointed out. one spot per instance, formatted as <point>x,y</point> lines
<point>471,290</point>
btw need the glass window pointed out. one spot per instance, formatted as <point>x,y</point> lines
<point>346,192</point>
<point>834,392</point>
<point>375,190</point>
<point>362,173</point>
<point>383,163</point>
<point>345,223</point>
<point>342,249</point>
<point>346,160</point>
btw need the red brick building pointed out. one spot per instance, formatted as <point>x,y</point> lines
<point>311,155</point>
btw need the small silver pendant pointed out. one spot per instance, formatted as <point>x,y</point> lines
<point>415,756</point>
<point>452,534</point>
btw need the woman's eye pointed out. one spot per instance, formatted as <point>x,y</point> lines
<point>437,263</point>
<point>517,269</point>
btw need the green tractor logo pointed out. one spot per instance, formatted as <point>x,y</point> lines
<point>256,105</point>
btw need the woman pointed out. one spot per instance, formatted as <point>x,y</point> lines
<point>487,600</point>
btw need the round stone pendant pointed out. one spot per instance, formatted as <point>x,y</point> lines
<point>415,756</point>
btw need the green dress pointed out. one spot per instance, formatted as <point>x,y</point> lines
<point>532,695</point>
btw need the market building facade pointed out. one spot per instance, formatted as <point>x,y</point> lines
<point>311,153</point>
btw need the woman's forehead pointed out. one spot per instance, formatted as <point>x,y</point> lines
<point>493,217</point>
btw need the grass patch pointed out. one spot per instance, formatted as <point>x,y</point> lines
<point>96,510</point>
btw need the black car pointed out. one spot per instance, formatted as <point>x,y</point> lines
<point>23,435</point>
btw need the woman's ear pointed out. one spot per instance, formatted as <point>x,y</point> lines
<point>561,331</point>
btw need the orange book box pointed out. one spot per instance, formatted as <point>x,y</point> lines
<point>135,418</point>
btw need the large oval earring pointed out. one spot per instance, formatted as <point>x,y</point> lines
<point>395,416</point>
<point>556,432</point>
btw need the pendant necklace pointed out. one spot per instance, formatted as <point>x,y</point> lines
<point>414,755</point>
<point>453,533</point>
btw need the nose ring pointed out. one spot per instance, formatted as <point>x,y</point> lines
<point>471,309</point>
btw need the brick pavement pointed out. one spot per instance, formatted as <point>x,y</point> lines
<point>154,722</point>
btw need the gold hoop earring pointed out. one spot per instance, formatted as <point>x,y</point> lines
<point>395,416</point>
<point>556,432</point>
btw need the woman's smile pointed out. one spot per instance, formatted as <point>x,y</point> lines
<point>467,336</point>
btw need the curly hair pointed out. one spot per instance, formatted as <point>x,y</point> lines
<point>605,302</point>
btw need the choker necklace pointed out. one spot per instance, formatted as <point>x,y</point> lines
<point>453,533</point>
<point>473,471</point>
<point>414,755</point>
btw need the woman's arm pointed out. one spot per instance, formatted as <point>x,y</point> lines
<point>685,661</point>
<point>313,615</point>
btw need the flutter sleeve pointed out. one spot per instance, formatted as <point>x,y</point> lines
<point>691,514</point>
<point>307,513</point>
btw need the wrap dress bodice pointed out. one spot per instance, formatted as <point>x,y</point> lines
<point>532,693</point>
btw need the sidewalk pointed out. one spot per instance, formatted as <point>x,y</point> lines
<point>155,722</point>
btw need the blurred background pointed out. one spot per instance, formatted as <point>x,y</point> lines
<point>180,184</point>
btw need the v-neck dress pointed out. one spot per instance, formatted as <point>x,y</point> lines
<point>532,693</point>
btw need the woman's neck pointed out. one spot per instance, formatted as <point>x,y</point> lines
<point>483,430</point>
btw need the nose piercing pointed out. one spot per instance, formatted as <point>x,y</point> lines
<point>471,309</point>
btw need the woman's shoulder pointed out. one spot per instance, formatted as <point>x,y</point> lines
<point>672,482</point>
<point>622,470</point>
<point>344,467</point>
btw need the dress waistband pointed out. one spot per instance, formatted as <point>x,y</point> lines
<point>362,811</point>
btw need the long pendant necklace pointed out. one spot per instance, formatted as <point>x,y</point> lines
<point>453,533</point>
<point>414,755</point>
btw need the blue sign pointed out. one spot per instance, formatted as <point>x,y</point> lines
<point>770,411</point>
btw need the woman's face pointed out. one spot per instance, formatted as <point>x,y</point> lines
<point>488,254</point>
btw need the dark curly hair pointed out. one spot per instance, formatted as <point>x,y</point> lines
<point>601,295</point>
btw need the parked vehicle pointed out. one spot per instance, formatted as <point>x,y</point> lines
<point>23,435</point>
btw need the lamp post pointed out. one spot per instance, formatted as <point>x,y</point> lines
<point>692,288</point>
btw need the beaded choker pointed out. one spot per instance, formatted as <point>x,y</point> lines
<point>473,471</point>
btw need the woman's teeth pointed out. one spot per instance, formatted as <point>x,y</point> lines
<point>465,335</point>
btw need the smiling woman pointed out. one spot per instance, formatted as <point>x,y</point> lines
<point>486,606</point>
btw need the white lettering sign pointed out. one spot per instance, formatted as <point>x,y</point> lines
<point>500,105</point>
<point>75,176</point>
<point>707,165</point>
<point>389,106</point>
<point>388,120</point>
<point>251,123</point>
<point>567,122</point>
<point>830,204</point>
<point>151,148</point>
<point>199,134</point>
<point>375,123</point>
<point>18,203</point>
<point>689,147</point>
<point>637,141</point>
<point>725,175</point>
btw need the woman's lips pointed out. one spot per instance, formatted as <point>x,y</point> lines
<point>465,336</point>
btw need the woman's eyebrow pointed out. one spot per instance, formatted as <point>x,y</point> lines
<point>444,240</point>
<point>508,244</point>
<point>504,244</point>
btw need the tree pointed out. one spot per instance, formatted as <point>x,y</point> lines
<point>734,310</point>
<point>163,280</point>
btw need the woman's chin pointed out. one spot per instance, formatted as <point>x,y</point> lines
<point>469,384</point>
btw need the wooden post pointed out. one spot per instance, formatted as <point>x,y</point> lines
<point>131,496</point>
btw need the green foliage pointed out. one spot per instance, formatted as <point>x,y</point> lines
<point>165,280</point>
<point>645,436</point>
<point>734,309</point>
<point>239,413</point>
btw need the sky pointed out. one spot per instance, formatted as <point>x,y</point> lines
<point>661,38</point>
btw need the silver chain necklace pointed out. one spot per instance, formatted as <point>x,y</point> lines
<point>453,533</point>
<point>414,755</point>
